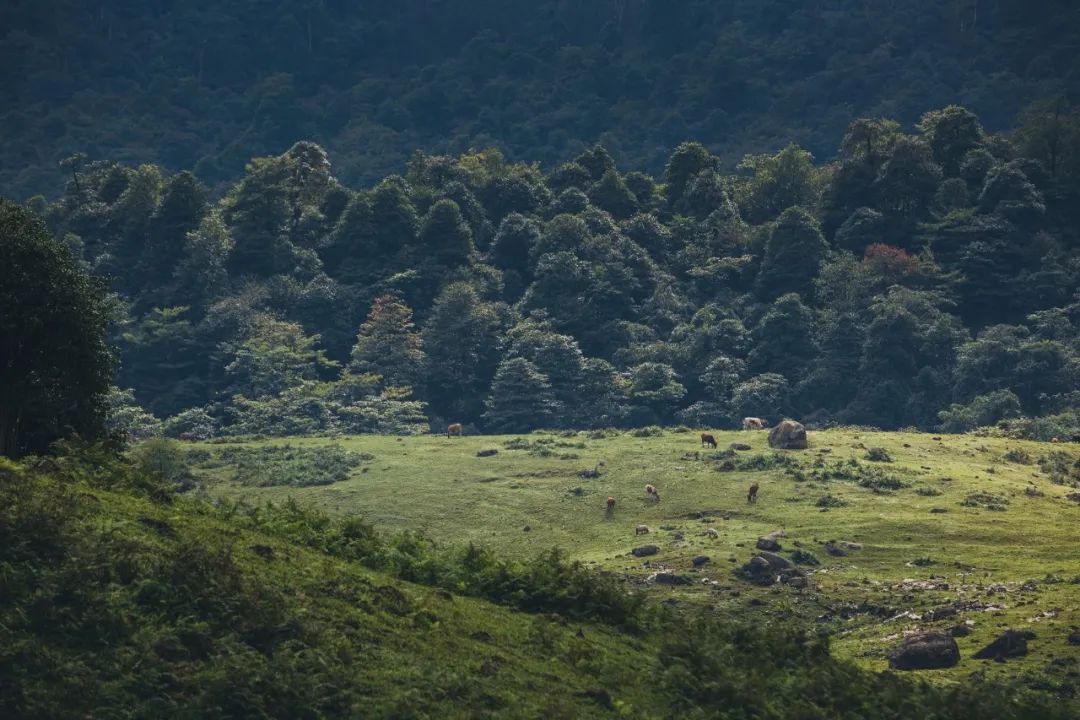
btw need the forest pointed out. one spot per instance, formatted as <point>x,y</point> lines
<point>207,86</point>
<point>923,279</point>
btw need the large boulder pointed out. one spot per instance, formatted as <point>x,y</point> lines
<point>788,435</point>
<point>1011,643</point>
<point>767,543</point>
<point>645,550</point>
<point>768,568</point>
<point>929,651</point>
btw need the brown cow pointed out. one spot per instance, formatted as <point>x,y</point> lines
<point>650,490</point>
<point>753,423</point>
<point>752,495</point>
<point>610,504</point>
<point>708,440</point>
<point>455,429</point>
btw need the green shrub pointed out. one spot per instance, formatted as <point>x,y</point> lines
<point>300,466</point>
<point>649,431</point>
<point>997,503</point>
<point>831,501</point>
<point>1019,456</point>
<point>878,454</point>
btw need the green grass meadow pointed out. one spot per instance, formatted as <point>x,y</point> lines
<point>932,544</point>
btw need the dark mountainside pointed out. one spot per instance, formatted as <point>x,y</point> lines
<point>206,86</point>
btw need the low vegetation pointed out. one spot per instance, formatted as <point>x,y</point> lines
<point>120,594</point>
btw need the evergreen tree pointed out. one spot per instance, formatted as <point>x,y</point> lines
<point>685,163</point>
<point>445,236</point>
<point>783,339</point>
<point>521,398</point>
<point>55,366</point>
<point>793,253</point>
<point>461,339</point>
<point>610,193</point>
<point>388,344</point>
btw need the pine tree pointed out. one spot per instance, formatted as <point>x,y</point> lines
<point>521,398</point>
<point>389,345</point>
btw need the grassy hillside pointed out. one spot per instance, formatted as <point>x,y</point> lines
<point>114,605</point>
<point>930,544</point>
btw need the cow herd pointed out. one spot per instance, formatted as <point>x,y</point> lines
<point>651,491</point>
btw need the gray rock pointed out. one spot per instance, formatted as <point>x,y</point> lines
<point>645,550</point>
<point>1011,643</point>
<point>739,446</point>
<point>767,543</point>
<point>487,453</point>
<point>700,560</point>
<point>929,651</point>
<point>788,435</point>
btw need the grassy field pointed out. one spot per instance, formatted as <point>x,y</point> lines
<point>974,528</point>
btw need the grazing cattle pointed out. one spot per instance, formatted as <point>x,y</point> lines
<point>751,496</point>
<point>455,429</point>
<point>708,440</point>
<point>610,504</point>
<point>1054,440</point>
<point>713,533</point>
<point>753,423</point>
<point>187,437</point>
<point>641,530</point>
<point>653,492</point>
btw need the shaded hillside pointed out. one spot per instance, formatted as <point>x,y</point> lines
<point>208,86</point>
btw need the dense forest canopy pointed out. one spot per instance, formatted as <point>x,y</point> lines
<point>206,86</point>
<point>922,279</point>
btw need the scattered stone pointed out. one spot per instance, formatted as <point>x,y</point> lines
<point>1074,496</point>
<point>739,446</point>
<point>645,550</point>
<point>1011,643</point>
<point>1074,637</point>
<point>831,548</point>
<point>527,528</point>
<point>487,453</point>
<point>700,560</point>
<point>482,636</point>
<point>960,631</point>
<point>851,545</point>
<point>939,614</point>
<point>938,511</point>
<point>756,602</point>
<point>788,435</point>
<point>928,651</point>
<point>767,543</point>
<point>589,474</point>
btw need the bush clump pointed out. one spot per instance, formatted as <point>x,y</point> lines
<point>997,503</point>
<point>878,454</point>
<point>293,466</point>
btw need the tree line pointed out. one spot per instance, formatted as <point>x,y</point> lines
<point>923,279</point>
